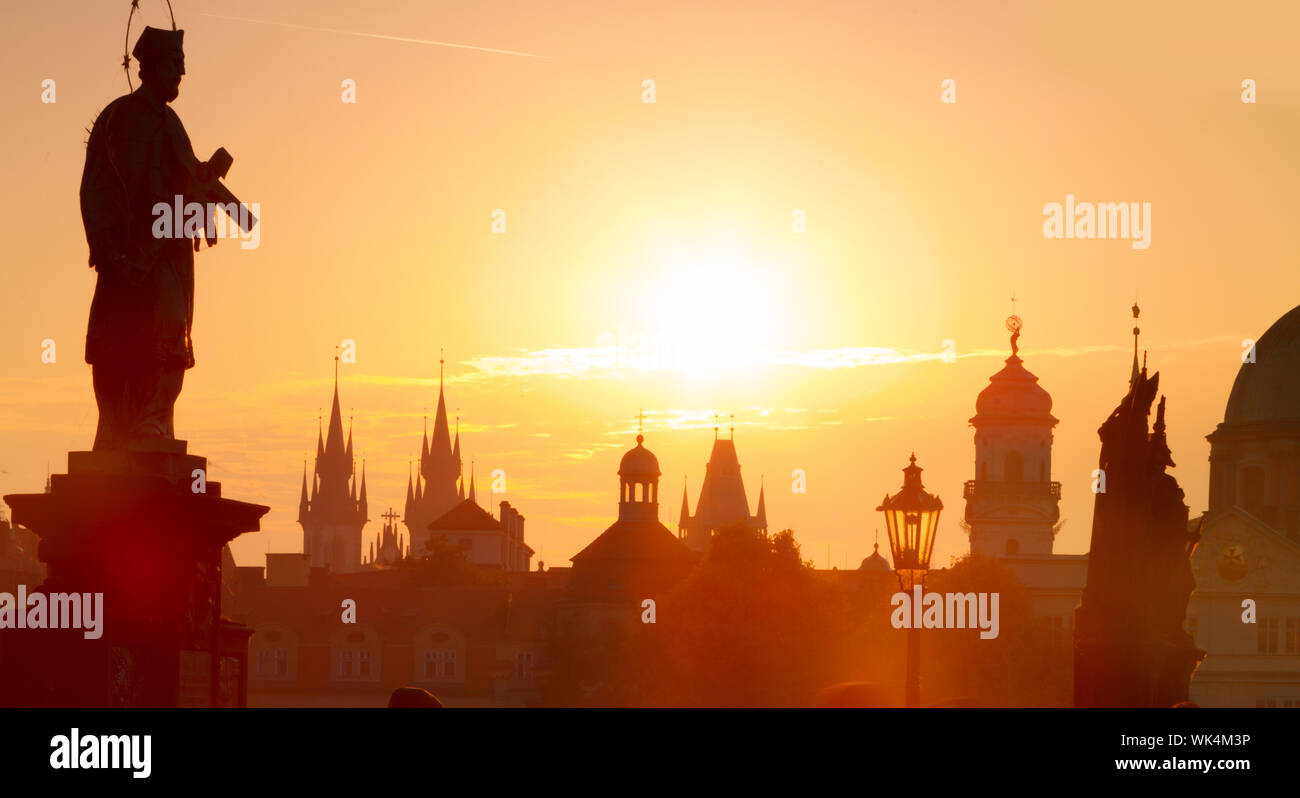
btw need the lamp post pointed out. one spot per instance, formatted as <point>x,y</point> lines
<point>912,517</point>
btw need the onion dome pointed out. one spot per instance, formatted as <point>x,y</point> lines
<point>875,562</point>
<point>1013,394</point>
<point>639,464</point>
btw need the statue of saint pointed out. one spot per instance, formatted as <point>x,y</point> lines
<point>138,338</point>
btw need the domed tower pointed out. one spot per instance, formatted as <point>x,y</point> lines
<point>1012,505</point>
<point>1255,452</point>
<point>636,555</point>
<point>638,484</point>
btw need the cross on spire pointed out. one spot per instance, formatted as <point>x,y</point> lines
<point>390,516</point>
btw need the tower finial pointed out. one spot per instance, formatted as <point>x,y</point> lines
<point>1014,323</point>
<point>733,426</point>
<point>640,424</point>
<point>1133,375</point>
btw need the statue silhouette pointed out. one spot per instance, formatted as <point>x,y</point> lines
<point>138,338</point>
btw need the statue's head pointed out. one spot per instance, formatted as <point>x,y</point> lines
<point>162,62</point>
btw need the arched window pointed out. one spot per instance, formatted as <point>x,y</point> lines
<point>1015,468</point>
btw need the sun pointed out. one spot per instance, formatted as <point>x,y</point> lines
<point>713,312</point>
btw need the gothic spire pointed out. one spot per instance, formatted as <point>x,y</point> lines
<point>410,492</point>
<point>471,483</point>
<point>686,512</point>
<point>761,516</point>
<point>302,500</point>
<point>362,509</point>
<point>424,447</point>
<point>455,450</point>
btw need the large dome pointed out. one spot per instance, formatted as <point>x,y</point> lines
<point>639,463</point>
<point>1269,388</point>
<point>1013,394</point>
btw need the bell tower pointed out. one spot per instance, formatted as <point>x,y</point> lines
<point>1012,504</point>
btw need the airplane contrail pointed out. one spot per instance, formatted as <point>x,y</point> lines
<point>374,35</point>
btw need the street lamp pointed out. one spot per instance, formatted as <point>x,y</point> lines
<point>912,517</point>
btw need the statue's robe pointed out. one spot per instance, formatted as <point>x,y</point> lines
<point>138,338</point>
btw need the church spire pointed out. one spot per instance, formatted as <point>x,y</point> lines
<point>685,517</point>
<point>424,447</point>
<point>471,483</point>
<point>761,516</point>
<point>302,500</point>
<point>455,451</point>
<point>410,492</point>
<point>363,507</point>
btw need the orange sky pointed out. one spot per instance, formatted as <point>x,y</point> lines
<point>670,224</point>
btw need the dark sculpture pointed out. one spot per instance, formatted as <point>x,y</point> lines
<point>138,339</point>
<point>1130,647</point>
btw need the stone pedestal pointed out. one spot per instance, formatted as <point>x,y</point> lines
<point>145,529</point>
<point>1124,669</point>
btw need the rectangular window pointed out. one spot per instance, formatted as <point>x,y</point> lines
<point>449,664</point>
<point>524,665</point>
<point>430,665</point>
<point>363,662</point>
<point>281,662</point>
<point>1291,628</point>
<point>1268,635</point>
<point>345,662</point>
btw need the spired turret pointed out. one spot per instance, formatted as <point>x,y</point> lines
<point>722,502</point>
<point>333,517</point>
<point>436,491</point>
<point>1012,505</point>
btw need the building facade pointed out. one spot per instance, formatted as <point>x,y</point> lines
<point>1249,551</point>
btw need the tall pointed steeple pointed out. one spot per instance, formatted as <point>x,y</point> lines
<point>334,514</point>
<point>410,493</point>
<point>441,466</point>
<point>363,507</point>
<point>685,518</point>
<point>471,484</point>
<point>424,446</point>
<point>455,450</point>
<point>303,500</point>
<point>760,517</point>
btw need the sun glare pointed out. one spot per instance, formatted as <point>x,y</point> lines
<point>713,312</point>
